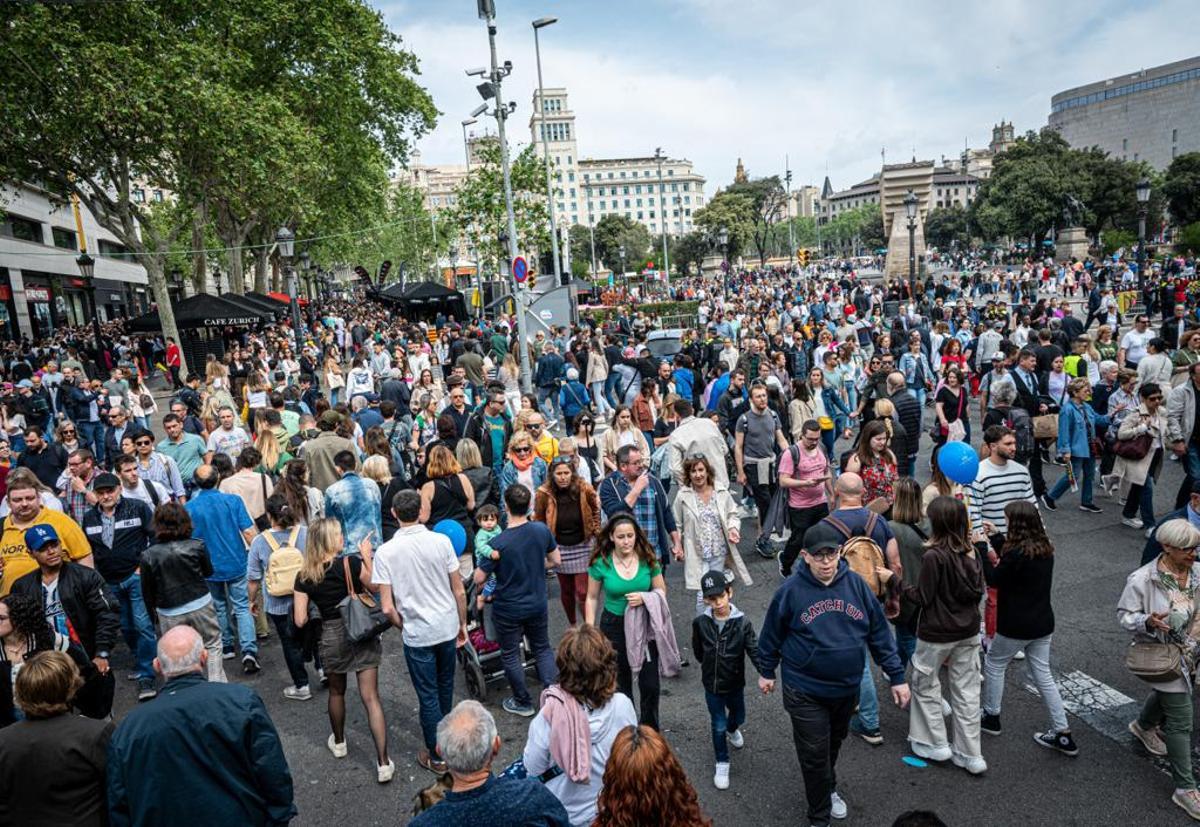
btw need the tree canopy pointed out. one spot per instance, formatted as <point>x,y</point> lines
<point>1181,187</point>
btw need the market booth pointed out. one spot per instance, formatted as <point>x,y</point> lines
<point>202,320</point>
<point>424,300</point>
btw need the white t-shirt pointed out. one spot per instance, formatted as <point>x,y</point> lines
<point>1134,344</point>
<point>417,564</point>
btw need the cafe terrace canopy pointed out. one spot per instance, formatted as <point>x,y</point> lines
<point>203,311</point>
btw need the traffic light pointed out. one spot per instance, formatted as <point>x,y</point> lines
<point>531,280</point>
<point>802,257</point>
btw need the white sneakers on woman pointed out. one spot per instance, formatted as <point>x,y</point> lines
<point>338,749</point>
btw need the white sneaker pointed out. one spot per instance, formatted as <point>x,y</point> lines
<point>1020,655</point>
<point>338,750</point>
<point>931,753</point>
<point>302,693</point>
<point>736,739</point>
<point>838,808</point>
<point>385,772</point>
<point>1132,522</point>
<point>973,764</point>
<point>721,776</point>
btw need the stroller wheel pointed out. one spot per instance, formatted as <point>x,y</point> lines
<point>476,684</point>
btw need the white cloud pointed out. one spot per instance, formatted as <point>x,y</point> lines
<point>828,85</point>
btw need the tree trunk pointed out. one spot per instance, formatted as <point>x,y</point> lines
<point>237,276</point>
<point>199,259</point>
<point>158,288</point>
<point>260,269</point>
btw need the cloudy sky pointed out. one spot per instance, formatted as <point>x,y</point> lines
<point>830,85</point>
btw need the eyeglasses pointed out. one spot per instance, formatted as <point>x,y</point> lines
<point>825,555</point>
<point>68,433</point>
<point>522,450</point>
<point>562,459</point>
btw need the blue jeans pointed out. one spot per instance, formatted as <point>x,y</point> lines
<point>431,669</point>
<point>727,712</point>
<point>1191,461</point>
<point>229,596</point>
<point>868,698</point>
<point>91,434</point>
<point>610,388</point>
<point>509,632</point>
<point>906,642</point>
<point>136,625</point>
<point>550,395</point>
<point>1085,470</point>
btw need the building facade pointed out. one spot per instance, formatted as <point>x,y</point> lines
<point>661,193</point>
<point>40,285</point>
<point>1152,115</point>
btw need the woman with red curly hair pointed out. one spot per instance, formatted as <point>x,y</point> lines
<point>644,784</point>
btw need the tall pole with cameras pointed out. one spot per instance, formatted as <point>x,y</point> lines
<point>538,25</point>
<point>492,89</point>
<point>658,156</point>
<point>787,180</point>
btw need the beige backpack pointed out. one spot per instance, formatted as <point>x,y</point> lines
<point>284,564</point>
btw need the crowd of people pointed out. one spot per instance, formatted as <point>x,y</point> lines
<point>388,474</point>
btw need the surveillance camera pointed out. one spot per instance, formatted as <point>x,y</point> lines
<point>508,65</point>
<point>479,110</point>
<point>512,106</point>
<point>482,70</point>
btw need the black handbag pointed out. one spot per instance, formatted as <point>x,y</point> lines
<point>362,617</point>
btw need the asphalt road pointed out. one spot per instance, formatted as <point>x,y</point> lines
<point>1112,781</point>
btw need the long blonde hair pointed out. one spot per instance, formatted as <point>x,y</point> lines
<point>268,445</point>
<point>323,545</point>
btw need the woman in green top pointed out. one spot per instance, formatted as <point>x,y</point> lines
<point>622,568</point>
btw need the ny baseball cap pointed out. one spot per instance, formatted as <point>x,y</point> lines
<point>713,583</point>
<point>39,536</point>
<point>822,537</point>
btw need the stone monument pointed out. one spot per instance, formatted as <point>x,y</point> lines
<point>1071,241</point>
<point>895,181</point>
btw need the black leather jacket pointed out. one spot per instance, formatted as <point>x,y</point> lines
<point>722,654</point>
<point>173,573</point>
<point>90,607</point>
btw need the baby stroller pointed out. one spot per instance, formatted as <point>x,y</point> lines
<point>480,655</point>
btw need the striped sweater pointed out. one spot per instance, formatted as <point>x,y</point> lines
<point>996,486</point>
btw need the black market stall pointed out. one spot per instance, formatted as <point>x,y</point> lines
<point>202,320</point>
<point>424,300</point>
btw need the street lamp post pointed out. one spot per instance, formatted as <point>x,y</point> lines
<point>658,156</point>
<point>787,180</point>
<point>1143,199</point>
<point>217,278</point>
<point>493,89</point>
<point>910,210</point>
<point>466,144</point>
<point>539,24</point>
<point>176,281</point>
<point>286,241</point>
<point>587,187</point>
<point>87,269</point>
<point>723,243</point>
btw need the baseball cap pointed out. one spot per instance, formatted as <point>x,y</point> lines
<point>371,397</point>
<point>24,383</point>
<point>713,583</point>
<point>104,481</point>
<point>997,357</point>
<point>39,536</point>
<point>331,417</point>
<point>821,537</point>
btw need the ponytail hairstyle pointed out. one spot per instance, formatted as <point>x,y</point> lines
<point>280,511</point>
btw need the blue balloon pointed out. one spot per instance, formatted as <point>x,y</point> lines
<point>958,462</point>
<point>457,534</point>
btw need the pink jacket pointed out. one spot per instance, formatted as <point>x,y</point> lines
<point>651,622</point>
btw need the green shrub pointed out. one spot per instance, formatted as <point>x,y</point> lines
<point>1188,238</point>
<point>604,314</point>
<point>1116,239</point>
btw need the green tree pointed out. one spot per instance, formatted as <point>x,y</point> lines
<point>1188,240</point>
<point>1024,196</point>
<point>614,231</point>
<point>947,225</point>
<point>1181,186</point>
<point>690,249</point>
<point>768,203</point>
<point>479,212</point>
<point>581,250</point>
<point>851,230</point>
<point>733,212</point>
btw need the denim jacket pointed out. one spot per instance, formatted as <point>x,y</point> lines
<point>909,362</point>
<point>836,409</point>
<point>1076,422</point>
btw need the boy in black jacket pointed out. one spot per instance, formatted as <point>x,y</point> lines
<point>722,637</point>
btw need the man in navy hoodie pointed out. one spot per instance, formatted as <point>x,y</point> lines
<point>816,627</point>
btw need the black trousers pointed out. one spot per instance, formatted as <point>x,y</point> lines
<point>800,520</point>
<point>1035,471</point>
<point>819,726</point>
<point>613,627</point>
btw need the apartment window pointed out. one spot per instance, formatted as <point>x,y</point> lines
<point>674,188</point>
<point>628,214</point>
<point>64,238</point>
<point>561,208</point>
<point>610,175</point>
<point>638,189</point>
<point>687,199</point>
<point>568,135</point>
<point>687,212</point>
<point>572,192</point>
<point>1174,151</point>
<point>437,202</point>
<point>158,195</point>
<point>1135,156</point>
<point>111,249</point>
<point>626,203</point>
<point>622,173</point>
<point>646,173</point>
<point>653,227</point>
<point>1174,135</point>
<point>626,190</point>
<point>686,186</point>
<point>587,177</point>
<point>570,175</point>
<point>1124,144</point>
<point>138,195</point>
<point>670,172</point>
<point>652,213</point>
<point>22,229</point>
<point>639,202</point>
<point>602,203</point>
<point>639,215</point>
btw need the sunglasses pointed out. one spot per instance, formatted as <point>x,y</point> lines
<point>534,426</point>
<point>144,442</point>
<point>562,460</point>
<point>69,433</point>
<point>522,450</point>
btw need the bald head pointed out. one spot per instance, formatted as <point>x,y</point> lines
<point>205,476</point>
<point>180,652</point>
<point>849,490</point>
<point>895,381</point>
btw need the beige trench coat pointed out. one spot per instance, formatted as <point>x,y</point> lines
<point>687,517</point>
<point>1133,472</point>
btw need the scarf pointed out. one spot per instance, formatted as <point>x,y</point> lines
<point>570,734</point>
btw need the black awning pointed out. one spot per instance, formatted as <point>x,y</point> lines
<point>203,311</point>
